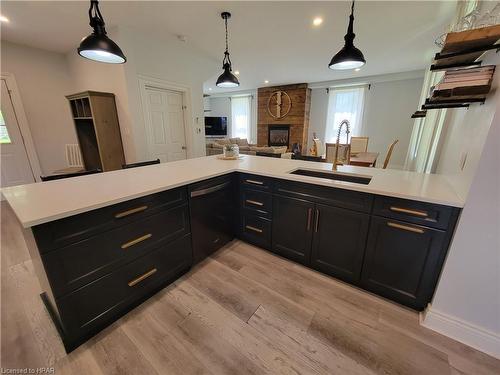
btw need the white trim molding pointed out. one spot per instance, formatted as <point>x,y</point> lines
<point>457,329</point>
<point>22,120</point>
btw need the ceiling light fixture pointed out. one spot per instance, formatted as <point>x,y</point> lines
<point>227,78</point>
<point>4,19</point>
<point>97,46</point>
<point>266,81</point>
<point>349,57</point>
<point>317,21</point>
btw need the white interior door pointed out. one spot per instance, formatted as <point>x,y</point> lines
<point>165,128</point>
<point>14,162</point>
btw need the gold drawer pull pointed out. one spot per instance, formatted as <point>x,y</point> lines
<point>406,227</point>
<point>142,277</point>
<point>408,211</point>
<point>137,240</point>
<point>130,212</point>
<point>255,182</point>
<point>254,202</point>
<point>254,229</point>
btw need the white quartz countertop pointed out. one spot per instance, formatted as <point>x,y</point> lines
<point>47,201</point>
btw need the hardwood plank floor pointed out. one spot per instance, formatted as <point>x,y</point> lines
<point>242,311</point>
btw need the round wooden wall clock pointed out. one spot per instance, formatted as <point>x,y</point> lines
<point>279,104</point>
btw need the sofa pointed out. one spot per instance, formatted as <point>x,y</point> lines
<point>215,147</point>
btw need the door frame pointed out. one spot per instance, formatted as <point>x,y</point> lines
<point>23,124</point>
<point>146,82</point>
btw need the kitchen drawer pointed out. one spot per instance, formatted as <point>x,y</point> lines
<point>95,305</point>
<point>428,214</point>
<point>255,230</point>
<point>256,182</point>
<point>78,264</point>
<point>259,202</point>
<point>65,231</point>
<point>351,200</point>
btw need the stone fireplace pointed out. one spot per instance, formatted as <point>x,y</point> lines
<point>296,121</point>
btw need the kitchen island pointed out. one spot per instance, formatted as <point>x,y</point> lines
<point>103,243</point>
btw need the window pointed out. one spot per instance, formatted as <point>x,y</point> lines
<point>344,103</point>
<point>4,134</point>
<point>240,110</point>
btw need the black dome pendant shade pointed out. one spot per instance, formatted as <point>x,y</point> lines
<point>97,46</point>
<point>227,79</point>
<point>349,57</point>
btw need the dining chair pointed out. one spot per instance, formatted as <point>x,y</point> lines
<point>68,175</point>
<point>389,153</point>
<point>344,155</point>
<point>359,144</point>
<point>140,164</point>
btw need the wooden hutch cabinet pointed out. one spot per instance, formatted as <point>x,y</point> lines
<point>97,129</point>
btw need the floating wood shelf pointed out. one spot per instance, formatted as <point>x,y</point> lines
<point>451,102</point>
<point>419,114</point>
<point>462,49</point>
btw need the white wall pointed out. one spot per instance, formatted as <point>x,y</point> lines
<point>389,103</point>
<point>466,305</point>
<point>166,59</point>
<point>220,105</point>
<point>43,81</point>
<point>466,132</point>
<point>91,75</point>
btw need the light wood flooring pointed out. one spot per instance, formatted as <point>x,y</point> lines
<point>242,311</point>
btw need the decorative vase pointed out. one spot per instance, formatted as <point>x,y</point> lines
<point>231,151</point>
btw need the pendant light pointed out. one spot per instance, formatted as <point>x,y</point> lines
<point>227,79</point>
<point>97,46</point>
<point>349,57</point>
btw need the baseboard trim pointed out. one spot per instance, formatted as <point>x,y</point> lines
<point>457,329</point>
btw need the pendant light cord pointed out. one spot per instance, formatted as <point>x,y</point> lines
<point>96,18</point>
<point>226,59</point>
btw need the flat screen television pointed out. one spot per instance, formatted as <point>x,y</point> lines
<point>215,126</point>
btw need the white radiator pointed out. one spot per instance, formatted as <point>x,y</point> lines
<point>73,155</point>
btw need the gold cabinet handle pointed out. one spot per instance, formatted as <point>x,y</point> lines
<point>142,277</point>
<point>408,211</point>
<point>137,240</point>
<point>405,227</point>
<point>309,217</point>
<point>130,212</point>
<point>316,226</point>
<point>254,182</point>
<point>254,229</point>
<point>254,202</point>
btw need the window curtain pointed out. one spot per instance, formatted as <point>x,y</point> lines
<point>344,104</point>
<point>240,117</point>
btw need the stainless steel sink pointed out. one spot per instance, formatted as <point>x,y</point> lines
<point>357,179</point>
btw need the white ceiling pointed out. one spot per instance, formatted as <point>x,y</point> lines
<point>272,41</point>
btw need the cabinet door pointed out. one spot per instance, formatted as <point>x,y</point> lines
<point>339,242</point>
<point>402,261</point>
<point>292,228</point>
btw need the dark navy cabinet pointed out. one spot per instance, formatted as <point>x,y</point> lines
<point>96,266</point>
<point>292,228</point>
<point>339,242</point>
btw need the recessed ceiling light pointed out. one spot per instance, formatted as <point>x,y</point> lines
<point>266,81</point>
<point>237,72</point>
<point>357,69</point>
<point>317,21</point>
<point>4,19</point>
<point>209,89</point>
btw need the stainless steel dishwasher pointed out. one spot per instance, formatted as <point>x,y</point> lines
<point>212,207</point>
